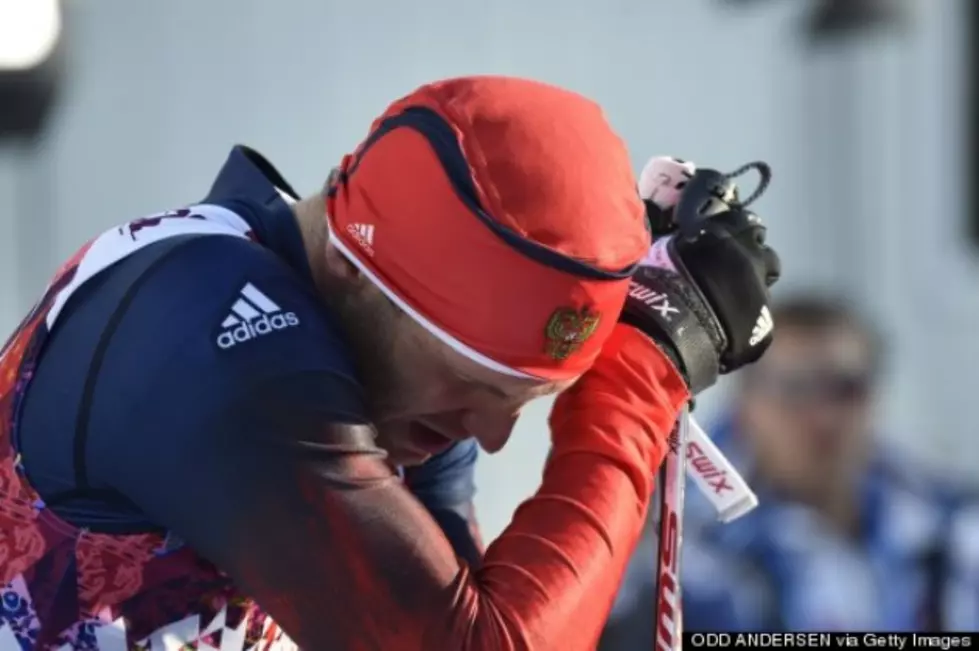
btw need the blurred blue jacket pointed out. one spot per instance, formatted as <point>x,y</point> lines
<point>780,568</point>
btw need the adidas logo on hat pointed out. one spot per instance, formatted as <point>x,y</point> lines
<point>253,315</point>
<point>363,234</point>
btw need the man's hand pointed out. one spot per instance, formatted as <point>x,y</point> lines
<point>702,293</point>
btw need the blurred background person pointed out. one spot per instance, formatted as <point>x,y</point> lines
<point>961,554</point>
<point>849,534</point>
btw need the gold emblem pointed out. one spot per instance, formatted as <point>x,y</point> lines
<point>568,329</point>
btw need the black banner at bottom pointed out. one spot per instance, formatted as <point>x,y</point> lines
<point>876,640</point>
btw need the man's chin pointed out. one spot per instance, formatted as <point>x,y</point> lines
<point>408,458</point>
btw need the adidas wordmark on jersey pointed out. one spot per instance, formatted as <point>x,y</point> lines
<point>253,315</point>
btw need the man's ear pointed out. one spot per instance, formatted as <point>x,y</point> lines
<point>338,265</point>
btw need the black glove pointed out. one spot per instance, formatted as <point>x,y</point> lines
<point>702,292</point>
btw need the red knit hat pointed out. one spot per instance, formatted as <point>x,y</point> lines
<point>500,213</point>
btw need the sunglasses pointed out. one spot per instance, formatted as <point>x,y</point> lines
<point>812,385</point>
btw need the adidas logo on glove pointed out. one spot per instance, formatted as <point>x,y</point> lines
<point>253,315</point>
<point>763,327</point>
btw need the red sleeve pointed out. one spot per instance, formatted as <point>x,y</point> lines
<point>343,557</point>
<point>554,572</point>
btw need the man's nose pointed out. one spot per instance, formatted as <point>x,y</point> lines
<point>491,429</point>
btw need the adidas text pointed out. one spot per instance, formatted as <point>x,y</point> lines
<point>363,234</point>
<point>253,315</point>
<point>256,328</point>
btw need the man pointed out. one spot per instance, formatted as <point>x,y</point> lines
<point>847,536</point>
<point>208,416</point>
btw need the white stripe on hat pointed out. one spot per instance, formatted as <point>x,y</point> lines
<point>437,332</point>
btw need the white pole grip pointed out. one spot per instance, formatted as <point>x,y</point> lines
<point>716,478</point>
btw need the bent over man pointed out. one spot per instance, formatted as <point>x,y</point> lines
<point>250,423</point>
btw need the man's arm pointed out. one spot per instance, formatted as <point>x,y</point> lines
<point>445,484</point>
<point>282,487</point>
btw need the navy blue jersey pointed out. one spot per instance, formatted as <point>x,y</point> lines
<point>159,367</point>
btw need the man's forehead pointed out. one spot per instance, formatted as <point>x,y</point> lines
<point>509,386</point>
<point>502,384</point>
<point>521,388</point>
